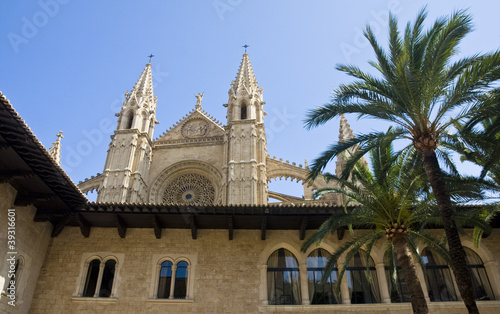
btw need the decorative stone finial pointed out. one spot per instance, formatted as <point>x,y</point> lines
<point>55,149</point>
<point>199,98</point>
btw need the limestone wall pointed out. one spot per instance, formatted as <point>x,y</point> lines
<point>225,276</point>
<point>31,242</point>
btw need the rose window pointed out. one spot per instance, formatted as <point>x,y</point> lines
<point>189,189</point>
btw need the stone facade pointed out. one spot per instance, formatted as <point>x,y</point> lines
<point>32,240</point>
<point>224,276</point>
<point>232,157</point>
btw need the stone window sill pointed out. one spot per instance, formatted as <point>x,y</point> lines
<point>99,300</point>
<point>171,301</point>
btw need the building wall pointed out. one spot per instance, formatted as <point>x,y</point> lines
<point>224,276</point>
<point>32,239</point>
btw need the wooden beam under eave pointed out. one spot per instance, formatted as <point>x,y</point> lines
<point>303,227</point>
<point>26,199</point>
<point>122,227</point>
<point>230,226</point>
<point>59,226</point>
<point>194,229</point>
<point>263,228</point>
<point>84,226</point>
<point>157,226</point>
<point>8,176</point>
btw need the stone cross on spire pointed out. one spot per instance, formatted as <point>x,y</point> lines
<point>55,149</point>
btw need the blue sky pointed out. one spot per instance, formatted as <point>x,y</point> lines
<point>66,64</point>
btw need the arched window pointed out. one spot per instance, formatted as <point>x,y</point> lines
<point>243,112</point>
<point>480,281</point>
<point>99,276</point>
<point>181,276</point>
<point>108,276</point>
<point>397,285</point>
<point>319,292</point>
<point>129,120</point>
<point>362,280</point>
<point>438,278</point>
<point>165,280</point>
<point>283,285</point>
<point>173,280</point>
<point>91,281</point>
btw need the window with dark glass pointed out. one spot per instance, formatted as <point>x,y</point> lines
<point>243,112</point>
<point>95,279</point>
<point>480,280</point>
<point>173,280</point>
<point>108,276</point>
<point>395,280</point>
<point>165,280</point>
<point>438,278</point>
<point>92,276</point>
<point>283,285</point>
<point>181,276</point>
<point>321,292</point>
<point>362,280</point>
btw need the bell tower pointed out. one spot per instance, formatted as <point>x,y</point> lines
<point>129,154</point>
<point>245,140</point>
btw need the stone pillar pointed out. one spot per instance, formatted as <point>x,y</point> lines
<point>99,280</point>
<point>172,282</point>
<point>303,284</point>
<point>344,287</point>
<point>382,282</point>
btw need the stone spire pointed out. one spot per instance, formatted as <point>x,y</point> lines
<point>345,131</point>
<point>55,149</point>
<point>144,86</point>
<point>345,134</point>
<point>245,77</point>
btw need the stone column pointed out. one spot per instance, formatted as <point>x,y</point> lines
<point>303,284</point>
<point>344,287</point>
<point>172,282</point>
<point>382,282</point>
<point>99,280</point>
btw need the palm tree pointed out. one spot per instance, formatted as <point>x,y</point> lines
<point>419,89</point>
<point>391,204</point>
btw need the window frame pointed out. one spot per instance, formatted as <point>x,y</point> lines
<point>86,260</point>
<point>174,259</point>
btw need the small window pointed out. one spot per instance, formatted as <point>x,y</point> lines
<point>480,280</point>
<point>92,275</point>
<point>438,278</point>
<point>283,284</point>
<point>129,120</point>
<point>108,276</point>
<point>173,287</point>
<point>243,112</point>
<point>362,280</point>
<point>181,276</point>
<point>321,292</point>
<point>102,277</point>
<point>165,280</point>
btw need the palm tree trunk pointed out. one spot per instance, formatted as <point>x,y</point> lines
<point>405,260</point>
<point>457,253</point>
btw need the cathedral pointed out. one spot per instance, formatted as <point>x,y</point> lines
<point>182,224</point>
